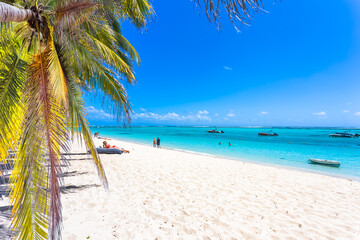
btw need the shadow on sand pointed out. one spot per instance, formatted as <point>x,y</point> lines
<point>5,230</point>
<point>73,188</point>
<point>72,174</point>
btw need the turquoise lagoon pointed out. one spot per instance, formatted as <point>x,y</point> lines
<point>292,148</point>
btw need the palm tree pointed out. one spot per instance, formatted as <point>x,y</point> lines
<point>50,52</point>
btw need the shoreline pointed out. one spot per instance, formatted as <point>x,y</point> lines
<point>174,194</point>
<point>261,127</point>
<point>339,176</point>
<point>169,194</point>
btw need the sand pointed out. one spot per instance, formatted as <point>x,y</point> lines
<point>167,194</point>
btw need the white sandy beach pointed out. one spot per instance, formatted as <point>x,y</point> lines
<point>167,194</point>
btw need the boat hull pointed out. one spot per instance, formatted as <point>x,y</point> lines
<point>325,162</point>
<point>341,136</point>
<point>268,134</point>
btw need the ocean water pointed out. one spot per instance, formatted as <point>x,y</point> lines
<point>292,148</point>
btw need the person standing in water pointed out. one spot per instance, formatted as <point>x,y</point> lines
<point>229,144</point>
<point>154,143</point>
<point>158,142</point>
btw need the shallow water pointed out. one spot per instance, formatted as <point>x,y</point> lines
<point>292,148</point>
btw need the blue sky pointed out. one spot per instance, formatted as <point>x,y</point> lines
<point>297,65</point>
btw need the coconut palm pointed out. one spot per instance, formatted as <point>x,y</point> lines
<point>50,53</point>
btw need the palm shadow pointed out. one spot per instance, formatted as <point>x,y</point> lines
<point>72,174</point>
<point>5,228</point>
<point>73,188</point>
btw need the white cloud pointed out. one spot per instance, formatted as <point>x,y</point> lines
<point>227,68</point>
<point>142,109</point>
<point>91,109</point>
<point>150,115</point>
<point>345,111</point>
<point>349,103</point>
<point>357,114</point>
<point>216,114</point>
<point>203,112</point>
<point>320,114</point>
<point>94,113</point>
<point>264,113</point>
<point>231,115</point>
<point>201,115</point>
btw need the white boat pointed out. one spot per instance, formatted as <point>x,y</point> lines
<point>325,162</point>
<point>344,135</point>
<point>267,134</point>
<point>214,131</point>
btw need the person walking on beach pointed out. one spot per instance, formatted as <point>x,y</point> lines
<point>158,142</point>
<point>154,142</point>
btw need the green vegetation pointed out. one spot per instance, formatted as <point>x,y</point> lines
<point>61,49</point>
<point>50,53</point>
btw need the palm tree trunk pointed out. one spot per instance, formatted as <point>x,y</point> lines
<point>10,13</point>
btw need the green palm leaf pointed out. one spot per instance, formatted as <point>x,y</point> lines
<point>12,76</point>
<point>75,45</point>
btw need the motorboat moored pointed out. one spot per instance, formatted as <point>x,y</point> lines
<point>344,135</point>
<point>267,134</point>
<point>214,131</point>
<point>325,162</point>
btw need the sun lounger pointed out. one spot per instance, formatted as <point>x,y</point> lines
<point>109,151</point>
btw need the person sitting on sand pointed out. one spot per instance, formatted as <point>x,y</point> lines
<point>106,145</point>
<point>96,135</point>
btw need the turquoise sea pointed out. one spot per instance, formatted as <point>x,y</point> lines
<point>292,148</point>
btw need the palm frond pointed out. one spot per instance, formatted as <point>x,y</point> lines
<point>56,72</point>
<point>96,75</point>
<point>80,125</point>
<point>29,188</point>
<point>44,135</point>
<point>115,95</point>
<point>109,55</point>
<point>70,14</point>
<point>77,122</point>
<point>111,35</point>
<point>12,76</point>
<point>138,11</point>
<point>42,97</point>
<point>237,10</point>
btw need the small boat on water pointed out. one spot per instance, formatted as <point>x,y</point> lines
<point>214,131</point>
<point>325,162</point>
<point>267,134</point>
<point>344,135</point>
